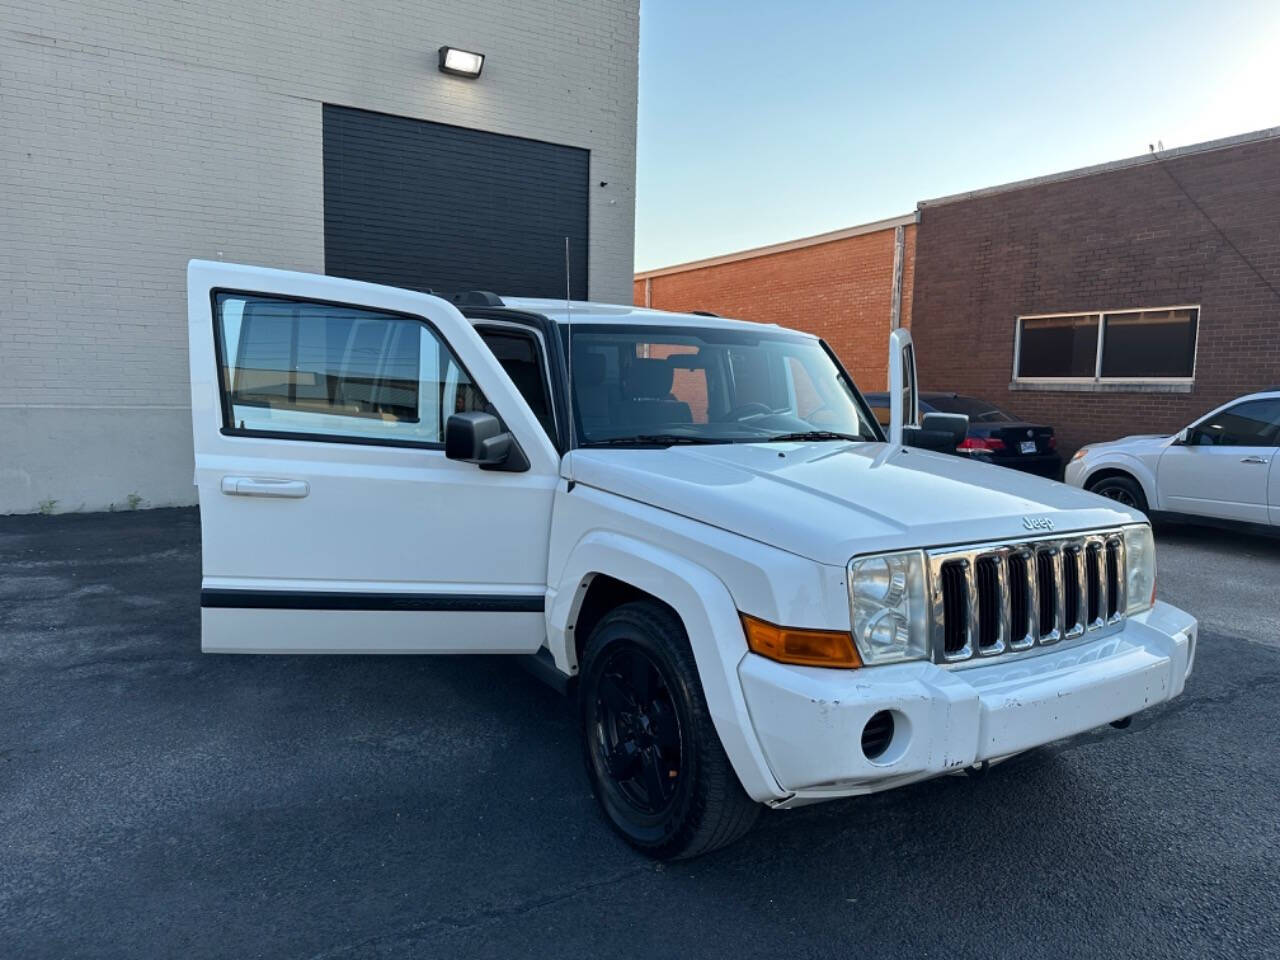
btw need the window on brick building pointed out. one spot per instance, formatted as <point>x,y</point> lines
<point>1108,346</point>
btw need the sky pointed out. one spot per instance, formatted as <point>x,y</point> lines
<point>761,122</point>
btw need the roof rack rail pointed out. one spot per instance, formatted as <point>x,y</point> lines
<point>477,298</point>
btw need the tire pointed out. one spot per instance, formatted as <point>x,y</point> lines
<point>1122,489</point>
<point>652,755</point>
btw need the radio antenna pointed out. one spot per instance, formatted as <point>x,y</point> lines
<point>568,321</point>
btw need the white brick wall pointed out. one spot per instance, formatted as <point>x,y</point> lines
<point>137,134</point>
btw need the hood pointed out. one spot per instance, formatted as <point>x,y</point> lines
<point>1137,444</point>
<point>830,501</point>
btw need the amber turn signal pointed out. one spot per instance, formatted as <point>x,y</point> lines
<point>810,648</point>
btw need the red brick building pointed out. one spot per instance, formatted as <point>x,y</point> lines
<point>1125,298</point>
<point>839,285</point>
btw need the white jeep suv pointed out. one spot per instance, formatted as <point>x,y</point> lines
<point>1222,467</point>
<point>693,524</point>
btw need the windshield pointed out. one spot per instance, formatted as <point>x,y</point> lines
<point>978,411</point>
<point>647,385</point>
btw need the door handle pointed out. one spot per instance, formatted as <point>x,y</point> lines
<point>265,487</point>
<point>1254,460</point>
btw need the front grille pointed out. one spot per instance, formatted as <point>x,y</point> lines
<point>993,598</point>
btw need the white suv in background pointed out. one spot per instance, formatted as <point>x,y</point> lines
<point>1222,467</point>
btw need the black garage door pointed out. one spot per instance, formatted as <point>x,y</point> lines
<point>429,206</point>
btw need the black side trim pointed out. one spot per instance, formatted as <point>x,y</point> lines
<point>542,666</point>
<point>335,600</point>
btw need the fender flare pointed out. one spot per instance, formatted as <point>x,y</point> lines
<point>1132,466</point>
<point>710,618</point>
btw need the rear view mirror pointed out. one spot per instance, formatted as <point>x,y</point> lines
<point>478,438</point>
<point>937,431</point>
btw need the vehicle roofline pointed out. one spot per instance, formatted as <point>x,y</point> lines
<point>605,314</point>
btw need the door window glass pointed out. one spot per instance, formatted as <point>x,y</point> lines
<point>1254,423</point>
<point>336,372</point>
<point>521,358</point>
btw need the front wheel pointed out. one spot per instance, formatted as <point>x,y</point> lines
<point>1123,490</point>
<point>652,754</point>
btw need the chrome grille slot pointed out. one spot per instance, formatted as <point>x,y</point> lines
<point>1115,548</point>
<point>1022,633</point>
<point>1047,588</point>
<point>955,598</point>
<point>1096,584</point>
<point>990,599</point>
<point>1072,598</point>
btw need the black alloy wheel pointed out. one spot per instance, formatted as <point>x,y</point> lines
<point>637,730</point>
<point>651,751</point>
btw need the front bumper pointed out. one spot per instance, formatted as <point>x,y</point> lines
<point>809,720</point>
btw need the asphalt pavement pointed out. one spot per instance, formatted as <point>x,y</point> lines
<point>155,802</point>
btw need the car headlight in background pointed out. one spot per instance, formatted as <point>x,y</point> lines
<point>1140,564</point>
<point>887,607</point>
<point>1079,453</point>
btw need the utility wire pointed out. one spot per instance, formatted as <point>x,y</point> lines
<point>1213,223</point>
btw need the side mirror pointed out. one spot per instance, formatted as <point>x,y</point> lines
<point>1183,437</point>
<point>937,431</point>
<point>904,396</point>
<point>478,438</point>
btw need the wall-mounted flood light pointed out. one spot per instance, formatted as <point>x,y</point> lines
<point>461,63</point>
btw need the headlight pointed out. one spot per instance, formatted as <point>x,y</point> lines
<point>1079,453</point>
<point>887,607</point>
<point>1140,572</point>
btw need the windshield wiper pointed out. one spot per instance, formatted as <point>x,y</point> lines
<point>652,440</point>
<point>810,435</point>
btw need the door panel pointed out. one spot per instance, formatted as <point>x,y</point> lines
<point>1222,468</point>
<point>1273,490</point>
<point>331,519</point>
<point>1229,483</point>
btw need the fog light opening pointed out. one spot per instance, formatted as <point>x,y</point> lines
<point>877,735</point>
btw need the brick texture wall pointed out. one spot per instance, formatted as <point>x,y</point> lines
<point>1119,239</point>
<point>137,134</point>
<point>840,290</point>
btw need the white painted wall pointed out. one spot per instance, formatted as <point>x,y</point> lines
<point>137,134</point>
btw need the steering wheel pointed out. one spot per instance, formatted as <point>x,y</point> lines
<point>744,410</point>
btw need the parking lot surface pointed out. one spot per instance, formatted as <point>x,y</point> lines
<point>157,802</point>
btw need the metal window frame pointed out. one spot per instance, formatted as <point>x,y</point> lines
<point>228,427</point>
<point>1097,377</point>
<point>541,345</point>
